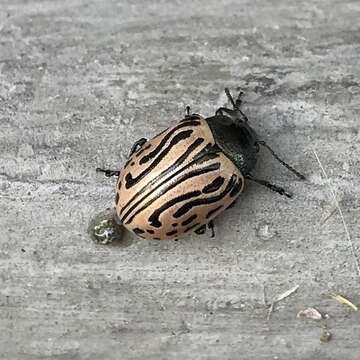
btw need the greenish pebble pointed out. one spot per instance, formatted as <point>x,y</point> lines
<point>104,229</point>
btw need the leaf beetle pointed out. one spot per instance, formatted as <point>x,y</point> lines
<point>180,180</point>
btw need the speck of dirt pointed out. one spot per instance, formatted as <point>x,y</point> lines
<point>265,231</point>
<point>325,335</point>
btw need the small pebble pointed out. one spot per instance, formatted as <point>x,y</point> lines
<point>309,313</point>
<point>325,335</point>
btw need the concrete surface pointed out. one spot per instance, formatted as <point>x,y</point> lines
<point>80,81</point>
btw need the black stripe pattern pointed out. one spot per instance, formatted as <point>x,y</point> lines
<point>164,190</point>
<point>130,181</point>
<point>214,185</point>
<point>205,201</point>
<point>164,140</point>
<point>154,217</point>
<point>179,183</point>
<point>167,171</point>
<point>213,211</point>
<point>189,220</point>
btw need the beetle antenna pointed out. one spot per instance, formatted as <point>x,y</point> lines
<point>263,143</point>
<point>270,186</point>
<point>236,104</point>
<point>228,94</point>
<point>238,101</point>
<point>108,172</point>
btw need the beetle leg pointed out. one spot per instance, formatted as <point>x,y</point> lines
<point>270,186</point>
<point>189,116</point>
<point>211,226</point>
<point>201,230</point>
<point>138,144</point>
<point>108,172</point>
<point>263,143</point>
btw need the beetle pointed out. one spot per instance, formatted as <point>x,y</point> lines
<point>180,180</point>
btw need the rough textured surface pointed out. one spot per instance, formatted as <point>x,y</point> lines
<point>80,81</point>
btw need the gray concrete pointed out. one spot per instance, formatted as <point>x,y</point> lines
<point>80,81</point>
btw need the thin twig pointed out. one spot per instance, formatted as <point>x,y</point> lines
<point>341,214</point>
<point>343,300</point>
<point>280,298</point>
<point>329,216</point>
<point>264,295</point>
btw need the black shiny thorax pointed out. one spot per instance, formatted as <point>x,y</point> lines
<point>236,139</point>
